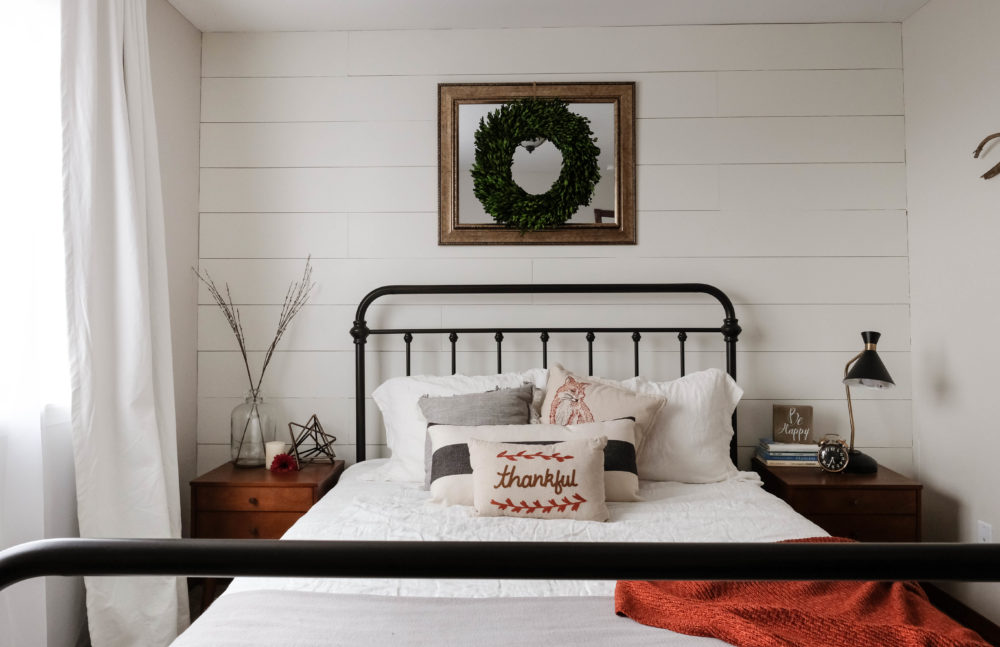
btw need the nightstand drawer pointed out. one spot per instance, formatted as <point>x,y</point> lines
<point>245,525</point>
<point>281,499</point>
<point>868,527</point>
<point>853,501</point>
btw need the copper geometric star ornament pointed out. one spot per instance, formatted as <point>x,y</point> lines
<point>311,444</point>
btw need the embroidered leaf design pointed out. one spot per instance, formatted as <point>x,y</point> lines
<point>557,456</point>
<point>523,506</point>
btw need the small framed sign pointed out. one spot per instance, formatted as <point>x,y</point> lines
<point>793,423</point>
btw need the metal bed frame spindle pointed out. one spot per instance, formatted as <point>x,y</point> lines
<point>729,329</point>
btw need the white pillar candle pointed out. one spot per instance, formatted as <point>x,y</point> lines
<point>271,450</point>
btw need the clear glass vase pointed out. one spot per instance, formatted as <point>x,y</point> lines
<point>252,424</point>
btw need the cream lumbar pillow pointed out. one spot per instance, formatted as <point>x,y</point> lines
<point>571,399</point>
<point>451,468</point>
<point>560,481</point>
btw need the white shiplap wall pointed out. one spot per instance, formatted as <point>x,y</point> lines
<point>771,164</point>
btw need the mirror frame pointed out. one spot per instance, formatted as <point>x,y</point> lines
<point>450,229</point>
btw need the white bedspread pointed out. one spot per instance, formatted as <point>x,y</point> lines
<point>262,612</point>
<point>363,509</point>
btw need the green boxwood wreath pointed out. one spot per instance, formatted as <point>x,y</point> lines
<point>499,135</point>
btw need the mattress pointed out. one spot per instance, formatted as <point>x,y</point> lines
<point>361,507</point>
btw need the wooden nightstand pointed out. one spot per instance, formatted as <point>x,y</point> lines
<point>884,506</point>
<point>254,503</point>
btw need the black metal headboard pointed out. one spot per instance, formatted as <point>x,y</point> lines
<point>730,329</point>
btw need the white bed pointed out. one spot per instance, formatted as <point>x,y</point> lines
<point>287,611</point>
<point>377,502</point>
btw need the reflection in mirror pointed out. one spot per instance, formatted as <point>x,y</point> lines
<point>536,170</point>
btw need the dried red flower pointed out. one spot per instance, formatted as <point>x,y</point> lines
<point>284,463</point>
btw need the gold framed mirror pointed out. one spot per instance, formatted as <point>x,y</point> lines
<point>609,219</point>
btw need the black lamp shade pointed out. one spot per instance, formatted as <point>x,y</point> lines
<point>869,370</point>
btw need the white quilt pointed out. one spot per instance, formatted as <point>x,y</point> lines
<point>360,508</point>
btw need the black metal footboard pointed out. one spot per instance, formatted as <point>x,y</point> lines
<point>502,560</point>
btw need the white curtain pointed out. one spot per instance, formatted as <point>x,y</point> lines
<point>121,372</point>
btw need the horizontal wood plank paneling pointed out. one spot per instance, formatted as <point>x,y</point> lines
<point>677,188</point>
<point>273,235</point>
<point>746,140</point>
<point>766,140</point>
<point>614,49</point>
<point>414,98</point>
<point>336,98</point>
<point>663,95</point>
<point>771,163</point>
<point>274,54</point>
<point>345,282</point>
<point>392,188</point>
<point>317,327</point>
<point>751,280</point>
<point>370,143</point>
<point>813,186</point>
<point>766,328</point>
<point>666,234</point>
<point>816,92</point>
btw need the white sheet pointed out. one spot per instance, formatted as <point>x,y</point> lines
<point>360,508</point>
<point>297,619</point>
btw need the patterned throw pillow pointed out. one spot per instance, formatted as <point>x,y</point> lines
<point>571,399</point>
<point>560,481</point>
<point>451,468</point>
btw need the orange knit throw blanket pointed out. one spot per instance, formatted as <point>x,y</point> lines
<point>786,614</point>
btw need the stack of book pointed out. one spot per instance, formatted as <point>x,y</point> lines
<point>777,454</point>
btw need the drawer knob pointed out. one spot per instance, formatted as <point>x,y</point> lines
<point>254,532</point>
<point>253,500</point>
<point>855,501</point>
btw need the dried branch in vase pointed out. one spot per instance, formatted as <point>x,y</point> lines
<point>295,298</point>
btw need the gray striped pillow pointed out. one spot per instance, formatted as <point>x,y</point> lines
<point>497,407</point>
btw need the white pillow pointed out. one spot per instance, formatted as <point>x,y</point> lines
<point>452,469</point>
<point>405,425</point>
<point>560,481</point>
<point>688,440</point>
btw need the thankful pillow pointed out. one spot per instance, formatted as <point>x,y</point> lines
<point>451,468</point>
<point>571,399</point>
<point>560,481</point>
